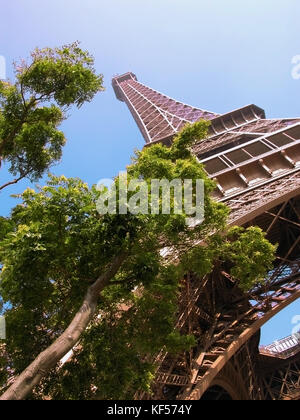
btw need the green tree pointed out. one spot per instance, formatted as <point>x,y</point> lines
<point>98,284</point>
<point>32,108</point>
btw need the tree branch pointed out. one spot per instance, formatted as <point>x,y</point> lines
<point>15,181</point>
<point>45,361</point>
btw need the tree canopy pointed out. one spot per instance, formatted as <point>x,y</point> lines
<point>33,107</point>
<point>100,285</point>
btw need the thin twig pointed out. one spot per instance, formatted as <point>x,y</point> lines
<point>13,182</point>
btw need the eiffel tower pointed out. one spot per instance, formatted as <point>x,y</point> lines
<point>255,162</point>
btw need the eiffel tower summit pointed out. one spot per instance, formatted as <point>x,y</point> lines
<point>255,162</point>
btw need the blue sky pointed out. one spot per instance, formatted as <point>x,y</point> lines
<point>214,54</point>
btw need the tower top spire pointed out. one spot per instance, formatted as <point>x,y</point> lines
<point>158,116</point>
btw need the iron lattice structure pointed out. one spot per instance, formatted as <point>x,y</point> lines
<point>256,165</point>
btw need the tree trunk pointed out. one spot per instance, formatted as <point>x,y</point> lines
<point>46,360</point>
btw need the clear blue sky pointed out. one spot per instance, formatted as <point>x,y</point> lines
<point>212,54</point>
